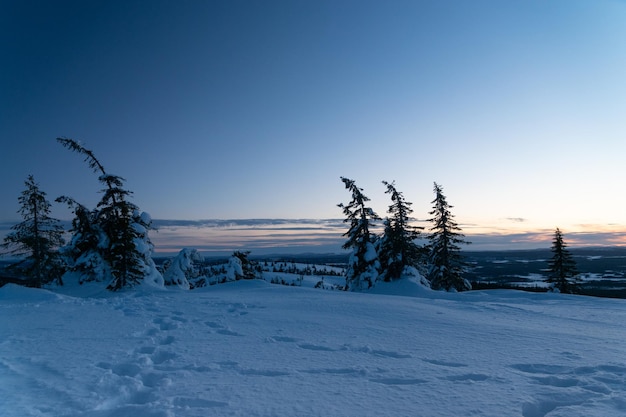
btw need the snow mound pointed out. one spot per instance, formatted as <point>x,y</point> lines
<point>411,284</point>
<point>13,293</point>
<point>408,287</point>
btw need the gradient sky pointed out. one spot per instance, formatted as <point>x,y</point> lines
<point>254,109</point>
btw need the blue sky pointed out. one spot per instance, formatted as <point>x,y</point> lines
<point>254,109</point>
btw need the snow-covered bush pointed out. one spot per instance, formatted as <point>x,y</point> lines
<point>234,270</point>
<point>145,248</point>
<point>411,273</point>
<point>184,268</point>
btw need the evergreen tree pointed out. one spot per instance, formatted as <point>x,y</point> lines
<point>37,238</point>
<point>363,264</point>
<point>562,267</point>
<point>123,244</point>
<point>83,252</point>
<point>446,266</point>
<point>115,217</point>
<point>249,268</point>
<point>397,248</point>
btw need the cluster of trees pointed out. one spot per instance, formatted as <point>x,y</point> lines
<point>109,242</point>
<point>396,253</point>
<point>188,271</point>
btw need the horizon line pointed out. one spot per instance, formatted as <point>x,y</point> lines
<point>325,235</point>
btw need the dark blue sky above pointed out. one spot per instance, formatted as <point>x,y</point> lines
<point>254,109</point>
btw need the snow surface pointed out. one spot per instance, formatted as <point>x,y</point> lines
<point>248,348</point>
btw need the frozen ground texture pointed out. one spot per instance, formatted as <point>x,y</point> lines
<point>253,349</point>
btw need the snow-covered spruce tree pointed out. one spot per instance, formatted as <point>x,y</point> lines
<point>83,252</point>
<point>446,267</point>
<point>363,264</point>
<point>562,273</point>
<point>184,268</point>
<point>123,243</point>
<point>142,224</point>
<point>36,239</point>
<point>241,267</point>
<point>397,249</point>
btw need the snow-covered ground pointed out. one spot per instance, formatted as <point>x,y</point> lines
<point>249,348</point>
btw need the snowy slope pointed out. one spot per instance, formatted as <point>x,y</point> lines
<point>253,349</point>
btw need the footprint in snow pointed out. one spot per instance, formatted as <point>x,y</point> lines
<point>383,353</point>
<point>445,363</point>
<point>284,339</point>
<point>547,403</point>
<point>167,340</point>
<point>165,324</point>
<point>467,377</point>
<point>235,308</point>
<point>338,371</point>
<point>228,332</point>
<point>161,356</point>
<point>539,368</point>
<point>186,402</point>
<point>146,350</point>
<point>309,346</point>
<point>155,380</point>
<point>126,369</point>
<point>228,364</point>
<point>399,381</point>
<point>262,372</point>
<point>391,354</point>
<point>152,331</point>
<point>130,312</point>
<point>220,329</point>
<point>563,386</point>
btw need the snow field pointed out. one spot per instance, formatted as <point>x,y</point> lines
<point>249,348</point>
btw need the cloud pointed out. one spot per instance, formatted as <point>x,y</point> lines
<point>262,236</point>
<point>289,236</point>
<point>247,222</point>
<point>516,219</point>
<point>509,241</point>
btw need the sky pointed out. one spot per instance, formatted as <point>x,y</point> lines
<point>255,109</point>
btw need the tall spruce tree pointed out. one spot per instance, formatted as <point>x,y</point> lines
<point>123,244</point>
<point>446,266</point>
<point>562,273</point>
<point>363,264</point>
<point>36,239</point>
<point>397,248</point>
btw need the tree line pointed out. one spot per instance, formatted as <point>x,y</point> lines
<point>110,242</point>
<point>395,254</point>
<point>439,263</point>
